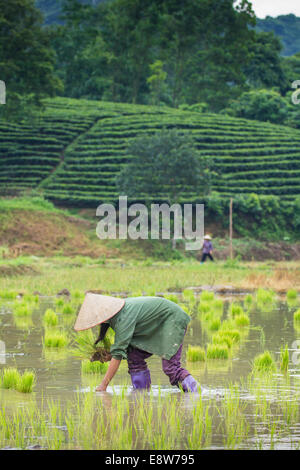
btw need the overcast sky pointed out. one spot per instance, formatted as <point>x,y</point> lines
<point>265,8</point>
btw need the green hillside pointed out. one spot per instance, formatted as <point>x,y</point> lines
<point>287,28</point>
<point>51,9</point>
<point>74,151</point>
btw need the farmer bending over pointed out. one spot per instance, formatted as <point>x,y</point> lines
<point>143,326</point>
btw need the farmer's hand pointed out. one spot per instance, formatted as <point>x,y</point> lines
<point>112,369</point>
<point>101,388</point>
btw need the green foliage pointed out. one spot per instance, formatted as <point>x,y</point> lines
<point>166,161</point>
<point>26,57</point>
<point>261,105</point>
<point>286,27</point>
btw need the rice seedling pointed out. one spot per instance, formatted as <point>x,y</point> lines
<point>50,318</point>
<point>77,294</point>
<point>26,382</point>
<point>217,351</point>
<point>248,300</point>
<point>241,320</point>
<point>235,310</point>
<point>297,316</point>
<point>10,378</point>
<point>56,339</point>
<point>264,363</point>
<point>265,296</point>
<point>8,295</point>
<point>185,308</point>
<point>188,295</point>
<point>59,302</point>
<point>284,359</point>
<point>21,309</point>
<point>214,324</point>
<point>204,307</point>
<point>96,367</point>
<point>172,298</point>
<point>229,329</point>
<point>218,305</point>
<point>67,309</point>
<point>206,296</point>
<point>30,298</point>
<point>291,294</point>
<point>195,354</point>
<point>221,338</point>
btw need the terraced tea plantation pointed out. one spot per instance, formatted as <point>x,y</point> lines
<point>75,149</point>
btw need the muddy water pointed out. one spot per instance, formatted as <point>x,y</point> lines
<point>59,373</point>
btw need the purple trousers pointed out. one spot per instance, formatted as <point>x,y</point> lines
<point>171,367</point>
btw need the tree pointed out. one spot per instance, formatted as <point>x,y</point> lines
<point>26,59</point>
<point>261,105</point>
<point>266,69</point>
<point>164,166</point>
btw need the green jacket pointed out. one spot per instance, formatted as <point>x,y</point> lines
<point>153,324</point>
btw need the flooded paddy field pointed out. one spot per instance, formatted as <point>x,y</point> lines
<point>246,403</point>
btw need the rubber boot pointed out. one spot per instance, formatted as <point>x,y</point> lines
<point>141,380</point>
<point>189,384</point>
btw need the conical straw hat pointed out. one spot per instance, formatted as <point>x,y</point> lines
<point>97,309</point>
<point>207,237</point>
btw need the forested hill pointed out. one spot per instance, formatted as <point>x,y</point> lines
<point>287,27</point>
<point>52,8</point>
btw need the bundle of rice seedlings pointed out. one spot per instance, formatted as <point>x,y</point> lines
<point>219,338</point>
<point>88,367</point>
<point>8,295</point>
<point>292,294</point>
<point>217,351</point>
<point>297,316</point>
<point>26,382</point>
<point>264,363</point>
<point>241,320</point>
<point>172,298</point>
<point>235,309</point>
<point>67,309</point>
<point>264,296</point>
<point>206,296</point>
<point>248,300</point>
<point>10,378</point>
<point>22,309</point>
<point>284,359</point>
<point>188,295</point>
<point>217,305</point>
<point>85,347</point>
<point>185,308</point>
<point>204,307</point>
<point>195,354</point>
<point>50,318</point>
<point>56,339</point>
<point>214,324</point>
